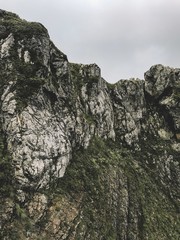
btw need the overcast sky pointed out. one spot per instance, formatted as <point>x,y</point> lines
<point>124,37</point>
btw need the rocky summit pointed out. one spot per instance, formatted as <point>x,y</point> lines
<point>80,158</point>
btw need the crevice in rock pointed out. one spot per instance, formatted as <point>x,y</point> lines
<point>166,93</point>
<point>50,95</point>
<point>161,109</point>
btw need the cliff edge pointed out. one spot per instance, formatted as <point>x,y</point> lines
<point>81,158</point>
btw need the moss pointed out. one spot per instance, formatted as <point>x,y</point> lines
<point>20,212</point>
<point>111,86</point>
<point>25,89</point>
<point>89,118</point>
<point>22,28</point>
<point>76,78</point>
<point>6,170</point>
<point>176,94</point>
<point>92,172</point>
<point>93,188</point>
<point>87,174</point>
<point>80,79</point>
<point>158,216</point>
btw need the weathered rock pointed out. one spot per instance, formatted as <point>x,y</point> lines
<point>81,158</point>
<point>163,85</point>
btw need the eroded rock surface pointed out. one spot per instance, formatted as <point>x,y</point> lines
<point>81,158</point>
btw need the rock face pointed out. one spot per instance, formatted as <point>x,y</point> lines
<point>81,158</point>
<point>162,84</point>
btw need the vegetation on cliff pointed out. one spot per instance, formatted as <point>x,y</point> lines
<point>81,159</point>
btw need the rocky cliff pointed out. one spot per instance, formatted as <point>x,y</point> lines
<point>81,158</point>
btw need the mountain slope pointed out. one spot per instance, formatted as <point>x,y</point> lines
<point>81,158</point>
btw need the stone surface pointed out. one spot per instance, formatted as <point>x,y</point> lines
<point>81,158</point>
<point>162,84</point>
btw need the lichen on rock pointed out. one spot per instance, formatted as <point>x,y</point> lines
<point>81,158</point>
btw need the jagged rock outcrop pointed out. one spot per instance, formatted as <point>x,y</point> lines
<point>162,84</point>
<point>81,158</point>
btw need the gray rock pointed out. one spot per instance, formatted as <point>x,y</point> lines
<point>82,158</point>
